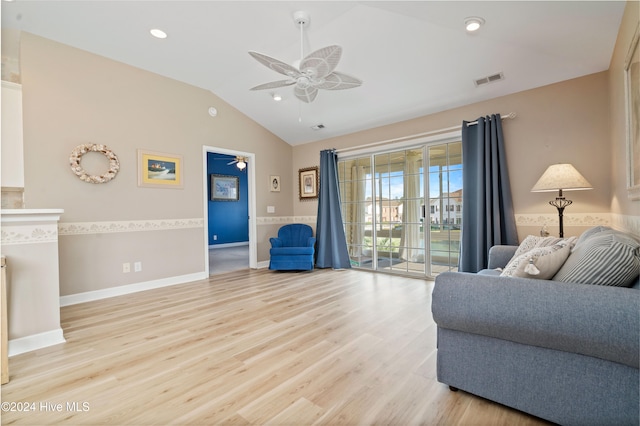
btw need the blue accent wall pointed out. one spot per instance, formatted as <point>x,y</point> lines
<point>229,220</point>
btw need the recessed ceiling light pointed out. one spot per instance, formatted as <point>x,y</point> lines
<point>276,97</point>
<point>158,33</point>
<point>473,23</point>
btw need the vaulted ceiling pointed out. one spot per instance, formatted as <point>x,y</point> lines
<point>414,57</point>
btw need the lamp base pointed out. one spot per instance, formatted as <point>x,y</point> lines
<point>560,203</point>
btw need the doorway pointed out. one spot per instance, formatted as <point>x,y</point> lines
<point>233,245</point>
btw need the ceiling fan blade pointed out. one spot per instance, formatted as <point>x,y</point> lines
<point>339,81</point>
<point>274,84</point>
<point>306,94</point>
<point>276,65</point>
<point>232,162</point>
<point>322,62</point>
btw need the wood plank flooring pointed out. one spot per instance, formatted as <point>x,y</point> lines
<point>249,348</point>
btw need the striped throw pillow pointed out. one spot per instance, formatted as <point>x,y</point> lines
<point>608,257</point>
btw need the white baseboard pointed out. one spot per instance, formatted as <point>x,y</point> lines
<point>89,296</point>
<point>35,341</point>
<point>263,264</point>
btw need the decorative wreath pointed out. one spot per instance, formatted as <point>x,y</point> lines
<point>80,150</point>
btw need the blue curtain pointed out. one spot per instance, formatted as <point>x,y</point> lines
<point>331,250</point>
<point>487,215</point>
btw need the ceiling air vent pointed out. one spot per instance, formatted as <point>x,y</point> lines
<point>318,127</point>
<point>489,79</point>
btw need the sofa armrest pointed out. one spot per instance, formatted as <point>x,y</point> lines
<point>311,242</point>
<point>500,255</point>
<point>592,320</point>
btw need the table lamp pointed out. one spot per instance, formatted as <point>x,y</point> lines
<point>561,177</point>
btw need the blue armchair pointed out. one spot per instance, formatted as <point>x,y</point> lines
<point>293,249</point>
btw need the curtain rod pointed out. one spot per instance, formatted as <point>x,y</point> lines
<point>417,135</point>
<point>510,115</point>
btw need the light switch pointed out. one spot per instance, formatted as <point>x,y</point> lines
<point>271,209</point>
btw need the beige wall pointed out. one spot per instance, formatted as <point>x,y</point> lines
<point>72,97</point>
<point>563,122</point>
<point>580,121</point>
<point>620,202</point>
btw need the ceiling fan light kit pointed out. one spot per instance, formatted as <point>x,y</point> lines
<point>239,161</point>
<point>316,70</point>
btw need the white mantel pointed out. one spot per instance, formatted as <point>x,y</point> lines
<point>10,216</point>
<point>29,239</point>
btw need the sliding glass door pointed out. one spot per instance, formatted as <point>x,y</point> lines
<point>391,223</point>
<point>445,206</point>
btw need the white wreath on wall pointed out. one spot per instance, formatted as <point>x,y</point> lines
<point>76,168</point>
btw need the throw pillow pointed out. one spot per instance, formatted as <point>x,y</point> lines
<point>540,263</point>
<point>532,241</point>
<point>528,244</point>
<point>608,257</point>
<point>591,232</point>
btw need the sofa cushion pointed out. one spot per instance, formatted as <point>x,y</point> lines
<point>607,257</point>
<point>540,263</point>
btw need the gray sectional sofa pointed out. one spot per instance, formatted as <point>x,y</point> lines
<point>567,352</point>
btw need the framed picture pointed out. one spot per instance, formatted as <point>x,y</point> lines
<point>632,83</point>
<point>159,170</point>
<point>274,183</point>
<point>224,188</point>
<point>308,183</point>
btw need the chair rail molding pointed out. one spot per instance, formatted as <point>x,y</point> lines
<point>271,220</point>
<point>109,227</point>
<point>618,221</point>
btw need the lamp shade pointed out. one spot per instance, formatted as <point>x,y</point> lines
<point>561,177</point>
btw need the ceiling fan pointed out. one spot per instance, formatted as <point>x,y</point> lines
<point>316,70</point>
<point>240,162</point>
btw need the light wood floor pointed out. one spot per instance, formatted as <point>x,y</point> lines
<point>250,347</point>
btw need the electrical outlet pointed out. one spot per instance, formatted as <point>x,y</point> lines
<point>137,267</point>
<point>215,237</point>
<point>126,268</point>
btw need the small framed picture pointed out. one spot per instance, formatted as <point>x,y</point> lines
<point>308,183</point>
<point>274,183</point>
<point>224,188</point>
<point>159,170</point>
